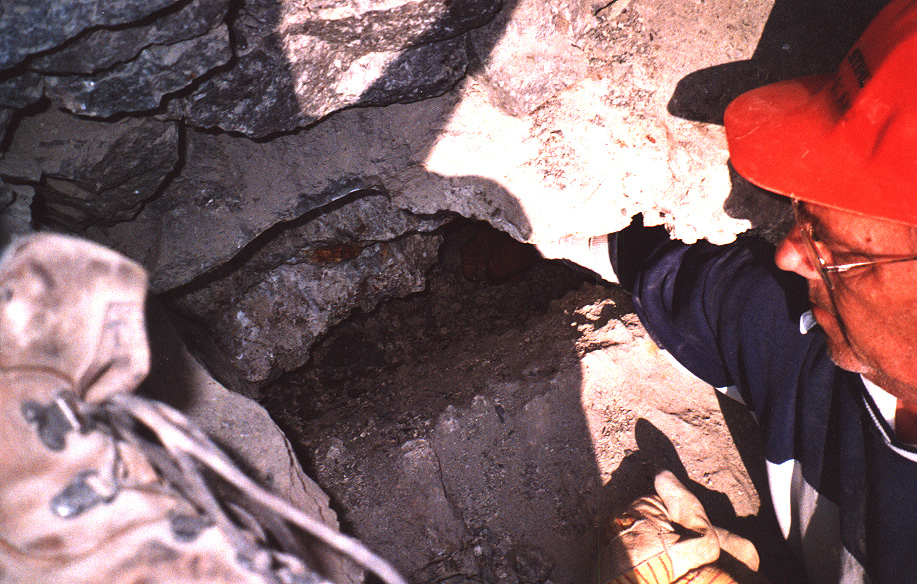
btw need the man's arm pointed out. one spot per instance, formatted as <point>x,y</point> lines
<point>726,313</point>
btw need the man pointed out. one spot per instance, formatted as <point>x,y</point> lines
<point>833,401</point>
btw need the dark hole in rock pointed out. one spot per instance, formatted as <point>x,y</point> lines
<point>367,413</point>
<point>412,357</point>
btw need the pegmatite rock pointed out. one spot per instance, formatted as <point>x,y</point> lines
<point>103,48</point>
<point>90,59</point>
<point>581,154</point>
<point>266,314</point>
<point>299,61</point>
<point>141,84</point>
<point>233,189</point>
<point>15,211</point>
<point>32,26</point>
<point>570,115</point>
<point>563,130</point>
<point>87,172</point>
<point>21,90</point>
<point>281,65</point>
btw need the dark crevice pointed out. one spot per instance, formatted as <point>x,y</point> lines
<point>353,365</point>
<point>44,215</point>
<point>40,106</point>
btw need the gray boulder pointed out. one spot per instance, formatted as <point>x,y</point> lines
<point>141,84</point>
<point>266,314</point>
<point>32,26</point>
<point>103,48</point>
<point>88,172</point>
<point>297,63</point>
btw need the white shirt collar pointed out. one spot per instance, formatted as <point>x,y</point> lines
<point>885,402</point>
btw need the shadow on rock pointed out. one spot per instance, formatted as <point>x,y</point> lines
<point>801,37</point>
<point>655,452</point>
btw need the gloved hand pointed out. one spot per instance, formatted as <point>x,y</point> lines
<point>668,538</point>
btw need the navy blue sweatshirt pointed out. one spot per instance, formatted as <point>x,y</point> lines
<point>844,491</point>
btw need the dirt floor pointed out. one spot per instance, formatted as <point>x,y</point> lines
<point>483,431</point>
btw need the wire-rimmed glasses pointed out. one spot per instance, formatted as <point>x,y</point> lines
<point>818,258</point>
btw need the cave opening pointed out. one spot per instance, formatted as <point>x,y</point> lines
<point>406,360</point>
<point>494,328</point>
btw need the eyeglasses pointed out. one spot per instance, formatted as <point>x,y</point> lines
<point>820,254</point>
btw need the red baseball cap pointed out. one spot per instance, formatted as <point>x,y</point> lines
<point>847,141</point>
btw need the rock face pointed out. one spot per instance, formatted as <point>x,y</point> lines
<point>103,48</point>
<point>140,84</point>
<point>28,28</point>
<point>89,173</point>
<point>203,127</point>
<point>242,428</point>
<point>299,61</point>
<point>266,315</point>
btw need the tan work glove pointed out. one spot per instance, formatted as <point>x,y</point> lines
<point>646,547</point>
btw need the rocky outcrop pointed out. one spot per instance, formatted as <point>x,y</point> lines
<point>265,316</point>
<point>297,63</point>
<point>28,28</point>
<point>102,48</point>
<point>110,57</point>
<point>267,67</point>
<point>193,131</point>
<point>140,84</point>
<point>88,173</point>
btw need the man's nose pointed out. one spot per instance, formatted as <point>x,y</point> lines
<point>792,255</point>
